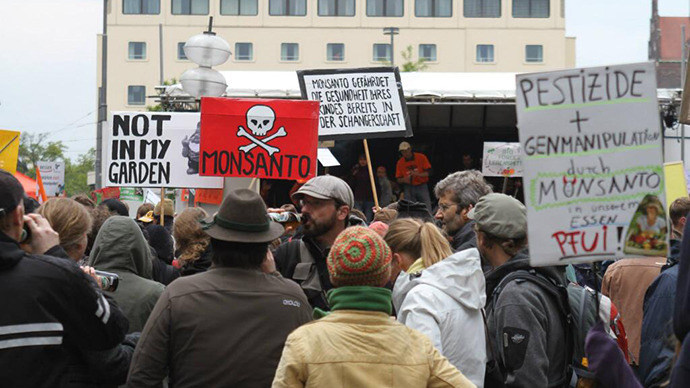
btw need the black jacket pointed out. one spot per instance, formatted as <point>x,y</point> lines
<point>52,313</point>
<point>465,238</point>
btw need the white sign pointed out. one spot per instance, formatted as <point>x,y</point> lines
<point>326,157</point>
<point>593,170</point>
<point>53,177</point>
<point>154,149</point>
<point>357,103</point>
<point>151,197</point>
<point>502,159</point>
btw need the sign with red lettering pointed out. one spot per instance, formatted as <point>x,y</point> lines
<point>593,167</point>
<point>275,139</point>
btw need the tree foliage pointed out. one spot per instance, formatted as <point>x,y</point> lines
<point>410,64</point>
<point>35,147</point>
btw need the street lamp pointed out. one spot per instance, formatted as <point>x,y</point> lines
<point>392,31</point>
<point>206,50</point>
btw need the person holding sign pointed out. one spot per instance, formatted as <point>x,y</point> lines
<point>413,171</point>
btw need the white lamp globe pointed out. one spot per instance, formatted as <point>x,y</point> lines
<point>207,49</point>
<point>203,82</point>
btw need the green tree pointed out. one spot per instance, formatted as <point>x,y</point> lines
<point>76,172</point>
<point>410,64</point>
<point>34,147</point>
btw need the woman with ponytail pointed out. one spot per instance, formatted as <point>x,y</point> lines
<point>440,293</point>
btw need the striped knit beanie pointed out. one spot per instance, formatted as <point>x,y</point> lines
<point>359,257</point>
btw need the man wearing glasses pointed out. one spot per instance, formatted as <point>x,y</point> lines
<point>457,194</point>
<point>325,202</point>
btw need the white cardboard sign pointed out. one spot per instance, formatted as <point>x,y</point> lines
<point>502,159</point>
<point>53,177</point>
<point>154,149</point>
<point>357,103</point>
<point>593,170</point>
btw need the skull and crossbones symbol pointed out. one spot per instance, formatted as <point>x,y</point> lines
<point>260,120</point>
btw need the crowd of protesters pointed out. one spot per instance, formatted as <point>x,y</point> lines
<point>398,296</point>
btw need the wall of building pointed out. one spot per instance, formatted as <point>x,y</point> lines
<point>456,39</point>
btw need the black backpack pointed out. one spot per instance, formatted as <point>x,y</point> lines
<point>578,308</point>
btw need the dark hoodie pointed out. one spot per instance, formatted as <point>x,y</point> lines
<point>120,248</point>
<point>681,313</point>
<point>526,328</point>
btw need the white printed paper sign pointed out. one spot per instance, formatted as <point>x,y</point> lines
<point>53,177</point>
<point>357,103</point>
<point>502,159</point>
<point>593,170</point>
<point>155,149</point>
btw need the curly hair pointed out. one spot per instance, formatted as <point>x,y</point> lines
<point>466,187</point>
<point>190,239</point>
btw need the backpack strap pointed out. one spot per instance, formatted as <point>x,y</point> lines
<point>559,294</point>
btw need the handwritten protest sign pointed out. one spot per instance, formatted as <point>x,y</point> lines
<point>502,159</point>
<point>9,150</point>
<point>357,103</point>
<point>258,138</point>
<point>593,173</point>
<point>53,176</point>
<point>154,150</point>
<point>135,194</point>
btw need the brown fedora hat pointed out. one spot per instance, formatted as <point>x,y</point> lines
<point>243,218</point>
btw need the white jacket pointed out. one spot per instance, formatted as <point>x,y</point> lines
<point>445,303</point>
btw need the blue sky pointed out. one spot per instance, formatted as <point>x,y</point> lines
<point>48,57</point>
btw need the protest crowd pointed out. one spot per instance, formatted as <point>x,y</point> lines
<point>420,292</point>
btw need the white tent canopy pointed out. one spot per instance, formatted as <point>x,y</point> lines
<point>416,85</point>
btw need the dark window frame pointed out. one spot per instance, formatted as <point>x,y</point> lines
<point>136,103</point>
<point>532,3</point>
<point>180,50</point>
<point>251,45</point>
<point>541,58</point>
<point>389,53</point>
<point>172,8</point>
<point>239,11</point>
<point>143,58</point>
<point>287,8</point>
<point>493,53</point>
<point>141,7</point>
<point>342,59</point>
<point>385,14</point>
<point>297,58</point>
<point>434,10</point>
<point>354,9</point>
<point>419,50</point>
<point>483,10</point>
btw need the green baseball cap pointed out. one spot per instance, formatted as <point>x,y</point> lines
<point>500,215</point>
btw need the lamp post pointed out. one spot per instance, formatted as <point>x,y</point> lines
<point>392,31</point>
<point>206,50</point>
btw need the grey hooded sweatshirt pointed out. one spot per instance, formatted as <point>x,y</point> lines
<point>120,247</point>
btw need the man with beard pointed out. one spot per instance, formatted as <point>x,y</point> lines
<point>326,202</point>
<point>457,194</point>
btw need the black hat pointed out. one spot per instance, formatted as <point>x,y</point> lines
<point>243,218</point>
<point>11,193</point>
<point>116,206</point>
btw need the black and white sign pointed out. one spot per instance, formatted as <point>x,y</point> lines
<point>357,103</point>
<point>154,149</point>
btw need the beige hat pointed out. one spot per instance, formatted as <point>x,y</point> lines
<point>500,215</point>
<point>167,208</point>
<point>404,146</point>
<point>327,187</point>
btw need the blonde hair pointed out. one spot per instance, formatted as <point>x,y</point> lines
<point>190,238</point>
<point>68,218</point>
<point>419,239</point>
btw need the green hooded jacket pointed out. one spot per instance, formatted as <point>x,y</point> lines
<point>120,248</point>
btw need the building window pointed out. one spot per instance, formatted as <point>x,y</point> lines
<point>136,95</point>
<point>482,9</point>
<point>485,53</point>
<point>141,7</point>
<point>336,7</point>
<point>190,7</point>
<point>287,7</point>
<point>382,52</point>
<point>385,7</point>
<point>531,8</point>
<point>239,7</point>
<point>433,8</point>
<point>335,52</point>
<point>427,52</point>
<point>137,50</point>
<point>180,51</point>
<point>244,52</point>
<point>534,53</point>
<point>289,52</point>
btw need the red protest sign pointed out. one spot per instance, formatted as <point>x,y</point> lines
<point>212,196</point>
<point>274,139</point>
